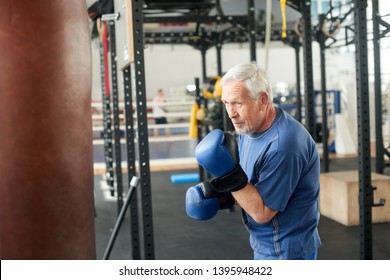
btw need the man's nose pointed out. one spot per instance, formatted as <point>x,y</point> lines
<point>232,113</point>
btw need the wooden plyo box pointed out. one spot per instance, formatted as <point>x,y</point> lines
<point>339,197</point>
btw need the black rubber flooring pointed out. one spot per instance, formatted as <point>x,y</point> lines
<point>178,237</point>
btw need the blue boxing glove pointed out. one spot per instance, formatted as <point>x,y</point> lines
<point>203,203</point>
<point>217,153</point>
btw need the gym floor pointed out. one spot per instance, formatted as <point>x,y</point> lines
<point>178,237</point>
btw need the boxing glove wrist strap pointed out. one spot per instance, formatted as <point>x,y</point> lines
<point>235,180</point>
<point>207,189</point>
<point>226,200</point>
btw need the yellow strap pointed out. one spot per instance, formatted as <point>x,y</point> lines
<point>283,11</point>
<point>193,133</point>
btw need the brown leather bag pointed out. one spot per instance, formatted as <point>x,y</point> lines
<point>46,160</point>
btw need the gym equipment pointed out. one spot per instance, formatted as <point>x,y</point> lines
<point>115,102</point>
<point>284,20</point>
<point>185,178</point>
<point>193,133</point>
<point>339,193</point>
<point>218,154</point>
<point>130,29</point>
<point>46,162</point>
<point>135,9</point>
<point>212,89</point>
<point>133,184</point>
<point>106,105</point>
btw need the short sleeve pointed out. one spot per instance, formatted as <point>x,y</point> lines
<point>278,172</point>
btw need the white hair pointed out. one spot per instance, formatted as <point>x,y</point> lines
<point>255,79</point>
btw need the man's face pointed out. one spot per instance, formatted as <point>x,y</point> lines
<point>243,111</point>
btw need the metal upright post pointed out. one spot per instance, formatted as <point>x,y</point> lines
<point>198,98</point>
<point>252,29</point>
<point>380,160</point>
<point>321,40</point>
<point>297,47</point>
<point>106,110</point>
<point>203,51</point>
<point>310,117</point>
<point>204,71</point>
<point>363,118</point>
<point>227,123</point>
<point>295,43</point>
<point>115,103</point>
<point>218,47</point>
<point>131,171</point>
<point>142,123</point>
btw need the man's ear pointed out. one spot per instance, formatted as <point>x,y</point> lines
<point>263,98</point>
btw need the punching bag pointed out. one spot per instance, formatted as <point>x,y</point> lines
<point>46,160</point>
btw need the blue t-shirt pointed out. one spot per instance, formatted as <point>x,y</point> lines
<point>283,163</point>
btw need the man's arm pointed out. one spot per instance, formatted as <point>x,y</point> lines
<point>251,201</point>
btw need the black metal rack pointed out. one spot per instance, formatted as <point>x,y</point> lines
<point>107,122</point>
<point>365,188</point>
<point>142,127</point>
<point>360,40</point>
<point>115,103</point>
<point>378,34</point>
<point>131,158</point>
<point>243,29</point>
